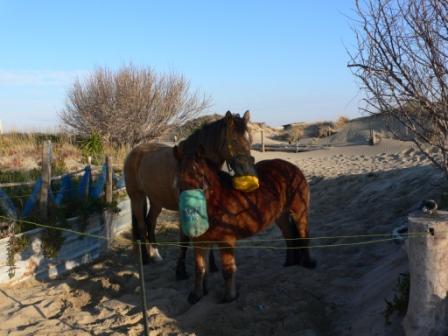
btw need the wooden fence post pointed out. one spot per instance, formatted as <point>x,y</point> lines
<point>46,179</point>
<point>108,215</point>
<point>428,262</point>
<point>89,182</point>
<point>262,141</point>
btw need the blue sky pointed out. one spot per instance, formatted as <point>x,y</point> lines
<point>283,60</point>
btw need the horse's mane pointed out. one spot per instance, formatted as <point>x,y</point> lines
<point>213,136</point>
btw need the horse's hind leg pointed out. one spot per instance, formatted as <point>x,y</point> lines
<point>138,208</point>
<point>289,232</point>
<point>151,220</point>
<point>300,220</point>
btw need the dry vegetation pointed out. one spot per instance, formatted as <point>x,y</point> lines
<point>312,130</point>
<point>21,155</point>
<point>342,121</point>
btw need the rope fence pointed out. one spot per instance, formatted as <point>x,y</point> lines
<point>255,244</point>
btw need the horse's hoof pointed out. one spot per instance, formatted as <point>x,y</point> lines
<point>310,263</point>
<point>229,298</point>
<point>156,257</point>
<point>289,263</point>
<point>193,298</point>
<point>180,276</point>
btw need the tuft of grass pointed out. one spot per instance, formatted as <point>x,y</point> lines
<point>93,146</point>
<point>399,303</point>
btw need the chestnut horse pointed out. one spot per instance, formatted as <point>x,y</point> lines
<point>150,171</point>
<point>283,196</point>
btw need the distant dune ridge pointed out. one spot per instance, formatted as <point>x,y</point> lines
<point>355,132</point>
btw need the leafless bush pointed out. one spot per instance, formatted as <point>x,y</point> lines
<point>325,129</point>
<point>131,105</point>
<point>341,122</point>
<point>401,60</point>
<point>295,133</point>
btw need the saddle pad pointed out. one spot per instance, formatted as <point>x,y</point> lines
<point>245,183</point>
<point>193,212</point>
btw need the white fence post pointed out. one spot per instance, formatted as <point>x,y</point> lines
<point>108,215</point>
<point>428,263</point>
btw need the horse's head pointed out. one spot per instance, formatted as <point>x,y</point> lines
<point>234,137</point>
<point>226,140</point>
<point>194,170</point>
<point>237,141</point>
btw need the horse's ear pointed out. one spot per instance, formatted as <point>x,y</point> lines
<point>229,118</point>
<point>177,153</point>
<point>246,116</point>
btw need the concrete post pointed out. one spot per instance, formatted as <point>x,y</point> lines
<point>428,264</point>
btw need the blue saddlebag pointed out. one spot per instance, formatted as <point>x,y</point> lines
<point>193,212</point>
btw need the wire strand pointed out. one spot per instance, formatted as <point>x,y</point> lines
<point>199,244</point>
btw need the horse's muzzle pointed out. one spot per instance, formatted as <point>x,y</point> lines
<point>245,183</point>
<point>245,178</point>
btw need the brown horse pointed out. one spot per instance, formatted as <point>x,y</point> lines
<point>150,171</point>
<point>283,196</point>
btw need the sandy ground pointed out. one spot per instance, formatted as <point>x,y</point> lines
<point>356,190</point>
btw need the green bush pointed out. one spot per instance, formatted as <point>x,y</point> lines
<point>93,146</point>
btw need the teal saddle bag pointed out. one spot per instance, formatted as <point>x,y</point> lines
<point>193,212</point>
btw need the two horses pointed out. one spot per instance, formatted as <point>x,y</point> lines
<point>283,197</point>
<point>150,172</point>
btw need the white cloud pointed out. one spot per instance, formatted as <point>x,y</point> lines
<point>38,77</point>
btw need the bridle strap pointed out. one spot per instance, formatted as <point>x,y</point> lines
<point>229,147</point>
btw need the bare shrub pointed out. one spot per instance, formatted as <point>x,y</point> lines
<point>341,122</point>
<point>401,60</point>
<point>325,129</point>
<point>129,106</point>
<point>295,133</point>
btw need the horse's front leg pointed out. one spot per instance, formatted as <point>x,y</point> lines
<point>200,284</point>
<point>228,271</point>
